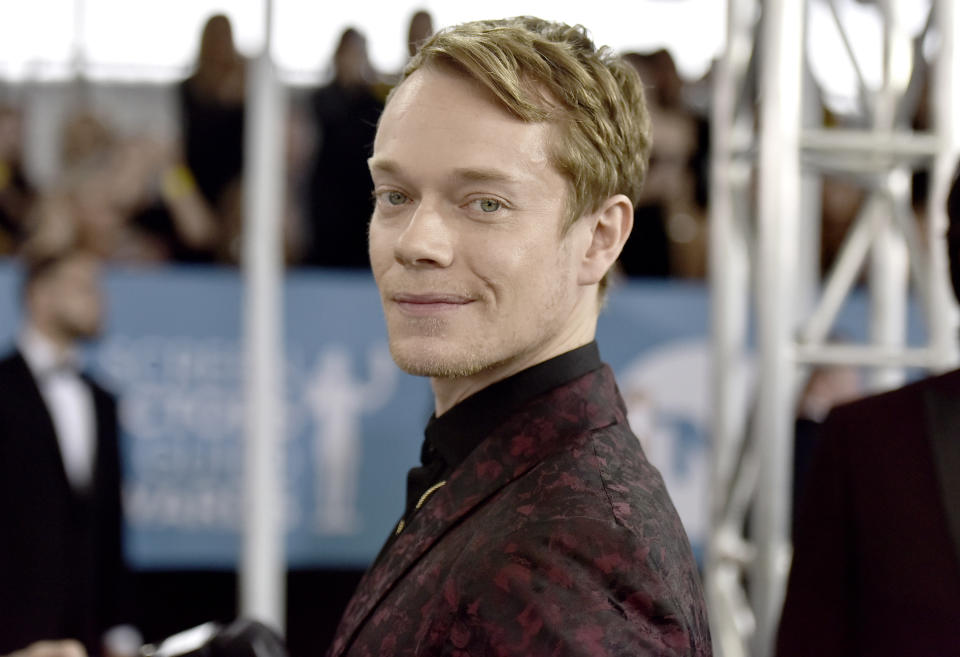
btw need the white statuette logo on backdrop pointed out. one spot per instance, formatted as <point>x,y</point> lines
<point>337,400</point>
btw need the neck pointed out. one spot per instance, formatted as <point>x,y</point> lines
<point>60,342</point>
<point>448,392</point>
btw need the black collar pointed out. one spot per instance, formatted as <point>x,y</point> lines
<point>450,438</point>
<point>455,434</point>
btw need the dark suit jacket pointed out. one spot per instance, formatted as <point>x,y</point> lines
<point>554,537</point>
<point>876,567</point>
<point>61,561</point>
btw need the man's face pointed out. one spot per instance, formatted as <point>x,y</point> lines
<point>75,301</point>
<point>465,239</point>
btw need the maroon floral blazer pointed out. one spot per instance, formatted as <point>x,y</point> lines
<point>554,537</point>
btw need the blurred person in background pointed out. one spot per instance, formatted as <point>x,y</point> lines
<point>338,185</point>
<point>670,219</point>
<point>421,29</point>
<point>128,199</point>
<point>827,387</point>
<point>212,110</point>
<point>85,137</point>
<point>876,559</point>
<point>16,192</point>
<point>62,570</point>
<point>159,200</point>
<point>841,201</point>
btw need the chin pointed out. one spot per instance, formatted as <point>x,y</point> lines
<point>436,361</point>
<point>86,333</point>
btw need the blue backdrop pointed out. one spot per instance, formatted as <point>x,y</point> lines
<point>353,421</point>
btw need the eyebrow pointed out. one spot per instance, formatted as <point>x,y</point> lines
<point>467,174</point>
<point>485,175</point>
<point>380,164</point>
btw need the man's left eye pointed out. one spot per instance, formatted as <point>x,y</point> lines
<point>396,198</point>
<point>489,204</point>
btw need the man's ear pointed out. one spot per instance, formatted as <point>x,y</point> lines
<point>610,226</point>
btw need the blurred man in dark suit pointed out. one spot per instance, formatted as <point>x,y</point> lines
<point>61,559</point>
<point>876,566</point>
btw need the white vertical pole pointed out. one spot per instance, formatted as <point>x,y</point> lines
<point>946,108</point>
<point>729,293</point>
<point>78,50</point>
<point>888,282</point>
<point>807,281</point>
<point>778,214</point>
<point>888,258</point>
<point>262,576</point>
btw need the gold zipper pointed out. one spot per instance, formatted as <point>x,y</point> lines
<point>430,491</point>
<point>423,498</point>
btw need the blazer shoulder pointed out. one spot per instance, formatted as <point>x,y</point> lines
<point>596,546</point>
<point>893,403</point>
<point>605,486</point>
<point>884,419</point>
<point>14,371</point>
<point>100,390</point>
<point>636,494</point>
<point>10,361</point>
<point>948,381</point>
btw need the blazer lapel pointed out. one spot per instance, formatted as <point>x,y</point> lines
<point>36,417</point>
<point>535,431</point>
<point>943,424</point>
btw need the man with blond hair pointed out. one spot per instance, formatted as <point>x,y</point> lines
<point>505,168</point>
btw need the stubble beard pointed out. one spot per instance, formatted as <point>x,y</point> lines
<point>79,331</point>
<point>438,364</point>
<point>475,354</point>
<point>467,359</point>
<point>439,368</point>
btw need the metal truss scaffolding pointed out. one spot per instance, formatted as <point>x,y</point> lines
<point>769,152</point>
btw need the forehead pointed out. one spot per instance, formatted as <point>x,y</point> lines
<point>438,115</point>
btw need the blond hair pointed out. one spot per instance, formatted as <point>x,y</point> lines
<point>545,71</point>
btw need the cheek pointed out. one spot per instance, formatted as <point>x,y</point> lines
<point>378,247</point>
<point>525,274</point>
<point>83,305</point>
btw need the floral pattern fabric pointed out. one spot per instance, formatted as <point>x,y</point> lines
<point>555,537</point>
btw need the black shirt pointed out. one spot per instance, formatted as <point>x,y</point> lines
<point>450,438</point>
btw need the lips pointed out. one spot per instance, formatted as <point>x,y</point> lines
<point>426,304</point>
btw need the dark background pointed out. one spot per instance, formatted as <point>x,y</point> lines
<point>170,601</point>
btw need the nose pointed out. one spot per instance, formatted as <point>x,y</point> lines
<point>426,240</point>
